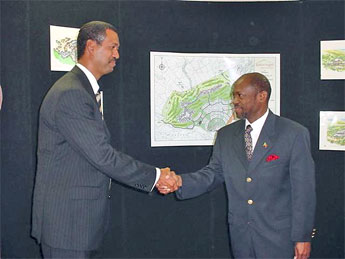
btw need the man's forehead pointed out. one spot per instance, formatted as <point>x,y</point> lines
<point>241,84</point>
<point>112,36</point>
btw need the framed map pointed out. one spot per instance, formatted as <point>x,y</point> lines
<point>191,93</point>
<point>332,130</point>
<point>332,59</point>
<point>63,48</point>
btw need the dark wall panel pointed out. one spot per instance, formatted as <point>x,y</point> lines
<point>324,95</point>
<point>151,225</point>
<point>17,157</point>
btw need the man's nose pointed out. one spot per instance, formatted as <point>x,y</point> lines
<point>116,54</point>
<point>234,100</point>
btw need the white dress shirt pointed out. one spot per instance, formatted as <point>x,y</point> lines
<point>95,88</point>
<point>90,76</point>
<point>257,127</point>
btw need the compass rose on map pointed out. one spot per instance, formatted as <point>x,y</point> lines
<point>161,65</point>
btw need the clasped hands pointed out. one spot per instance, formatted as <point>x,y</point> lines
<point>168,181</point>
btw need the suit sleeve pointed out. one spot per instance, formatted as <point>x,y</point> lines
<point>205,179</point>
<point>77,119</point>
<point>302,176</point>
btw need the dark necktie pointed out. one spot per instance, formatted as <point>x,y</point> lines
<point>248,142</point>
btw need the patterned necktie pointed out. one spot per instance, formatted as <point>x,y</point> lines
<point>99,101</point>
<point>248,142</point>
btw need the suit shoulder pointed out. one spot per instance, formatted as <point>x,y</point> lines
<point>286,123</point>
<point>231,127</point>
<point>68,81</point>
<point>66,85</point>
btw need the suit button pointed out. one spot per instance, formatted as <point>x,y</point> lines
<point>248,179</point>
<point>250,202</point>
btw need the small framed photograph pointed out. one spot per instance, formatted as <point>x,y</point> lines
<point>332,130</point>
<point>332,62</point>
<point>63,48</point>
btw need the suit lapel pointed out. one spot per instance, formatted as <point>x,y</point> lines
<point>239,145</point>
<point>84,81</point>
<point>265,141</point>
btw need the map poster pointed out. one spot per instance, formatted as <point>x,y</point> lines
<point>63,48</point>
<point>332,59</point>
<point>332,130</point>
<point>191,93</point>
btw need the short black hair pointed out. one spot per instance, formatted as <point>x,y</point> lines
<point>260,82</point>
<point>94,30</point>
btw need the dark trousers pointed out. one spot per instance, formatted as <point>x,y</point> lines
<point>51,252</point>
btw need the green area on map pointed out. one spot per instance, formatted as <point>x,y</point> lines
<point>66,51</point>
<point>67,61</point>
<point>206,105</point>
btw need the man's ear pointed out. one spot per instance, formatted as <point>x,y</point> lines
<point>263,96</point>
<point>90,46</point>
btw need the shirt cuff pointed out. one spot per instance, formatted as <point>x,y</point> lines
<point>158,175</point>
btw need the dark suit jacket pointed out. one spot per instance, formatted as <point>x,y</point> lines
<point>75,163</point>
<point>279,182</point>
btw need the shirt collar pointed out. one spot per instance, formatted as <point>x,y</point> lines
<point>259,123</point>
<point>90,77</point>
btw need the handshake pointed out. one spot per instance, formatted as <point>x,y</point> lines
<point>168,181</point>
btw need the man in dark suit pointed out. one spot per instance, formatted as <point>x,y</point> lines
<point>75,159</point>
<point>270,188</point>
